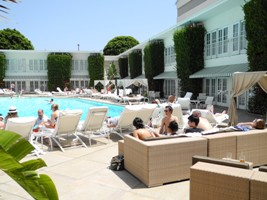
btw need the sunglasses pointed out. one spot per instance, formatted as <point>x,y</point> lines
<point>166,110</point>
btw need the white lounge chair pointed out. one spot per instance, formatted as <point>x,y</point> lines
<point>60,92</point>
<point>66,125</point>
<point>213,119</point>
<point>185,104</point>
<point>23,126</point>
<point>41,93</point>
<point>145,112</point>
<point>208,101</point>
<point>94,123</point>
<point>8,92</point>
<point>188,95</point>
<point>126,120</point>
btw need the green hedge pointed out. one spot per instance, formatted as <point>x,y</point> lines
<point>123,67</point>
<point>95,67</point>
<point>154,63</point>
<point>2,69</point>
<point>58,70</point>
<point>189,48</point>
<point>256,29</point>
<point>135,63</point>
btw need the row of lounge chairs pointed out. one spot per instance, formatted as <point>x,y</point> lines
<point>94,124</point>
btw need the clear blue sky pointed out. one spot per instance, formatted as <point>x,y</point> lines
<point>62,24</point>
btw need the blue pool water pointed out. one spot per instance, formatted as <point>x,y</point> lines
<point>28,106</point>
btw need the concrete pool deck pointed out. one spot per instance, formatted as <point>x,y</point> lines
<point>81,173</point>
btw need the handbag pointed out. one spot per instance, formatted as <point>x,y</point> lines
<point>117,163</point>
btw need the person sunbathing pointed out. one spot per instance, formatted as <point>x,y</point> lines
<point>256,123</point>
<point>141,132</point>
<point>203,122</point>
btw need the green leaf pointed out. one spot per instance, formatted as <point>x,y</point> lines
<point>12,149</point>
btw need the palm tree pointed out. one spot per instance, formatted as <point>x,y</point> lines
<point>4,8</point>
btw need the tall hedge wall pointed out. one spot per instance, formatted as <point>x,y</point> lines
<point>58,70</point>
<point>154,63</point>
<point>189,48</point>
<point>2,69</point>
<point>95,67</point>
<point>135,63</point>
<point>256,30</point>
<point>123,67</point>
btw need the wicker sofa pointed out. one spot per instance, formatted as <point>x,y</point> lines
<point>217,182</point>
<point>253,144</point>
<point>161,161</point>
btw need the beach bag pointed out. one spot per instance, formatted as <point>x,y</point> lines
<point>117,163</point>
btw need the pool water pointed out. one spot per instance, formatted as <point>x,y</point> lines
<point>28,106</point>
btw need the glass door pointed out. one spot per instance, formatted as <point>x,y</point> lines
<point>222,92</point>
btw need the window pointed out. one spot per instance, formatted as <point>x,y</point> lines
<point>207,87</point>
<point>36,65</point>
<point>41,65</point>
<point>213,41</point>
<point>208,44</point>
<point>31,65</point>
<point>220,42</point>
<point>76,65</point>
<point>235,37</point>
<point>169,55</point>
<point>45,64</point>
<point>169,87</point>
<point>243,40</point>
<point>225,40</point>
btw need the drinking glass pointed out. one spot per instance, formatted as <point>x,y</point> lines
<point>242,158</point>
<point>229,155</point>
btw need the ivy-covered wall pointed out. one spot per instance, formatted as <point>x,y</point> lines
<point>58,70</point>
<point>135,63</point>
<point>189,48</point>
<point>256,30</point>
<point>123,67</point>
<point>2,69</point>
<point>95,67</point>
<point>154,63</point>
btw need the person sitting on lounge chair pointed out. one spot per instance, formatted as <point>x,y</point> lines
<point>193,122</point>
<point>141,132</point>
<point>51,123</point>
<point>12,113</point>
<point>40,121</point>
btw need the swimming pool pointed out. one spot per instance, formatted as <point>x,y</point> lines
<point>28,106</point>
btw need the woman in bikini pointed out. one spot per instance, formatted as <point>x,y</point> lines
<point>55,114</point>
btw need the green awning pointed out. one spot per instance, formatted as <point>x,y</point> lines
<point>142,76</point>
<point>167,75</point>
<point>221,71</point>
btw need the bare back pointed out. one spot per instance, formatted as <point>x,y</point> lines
<point>142,134</point>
